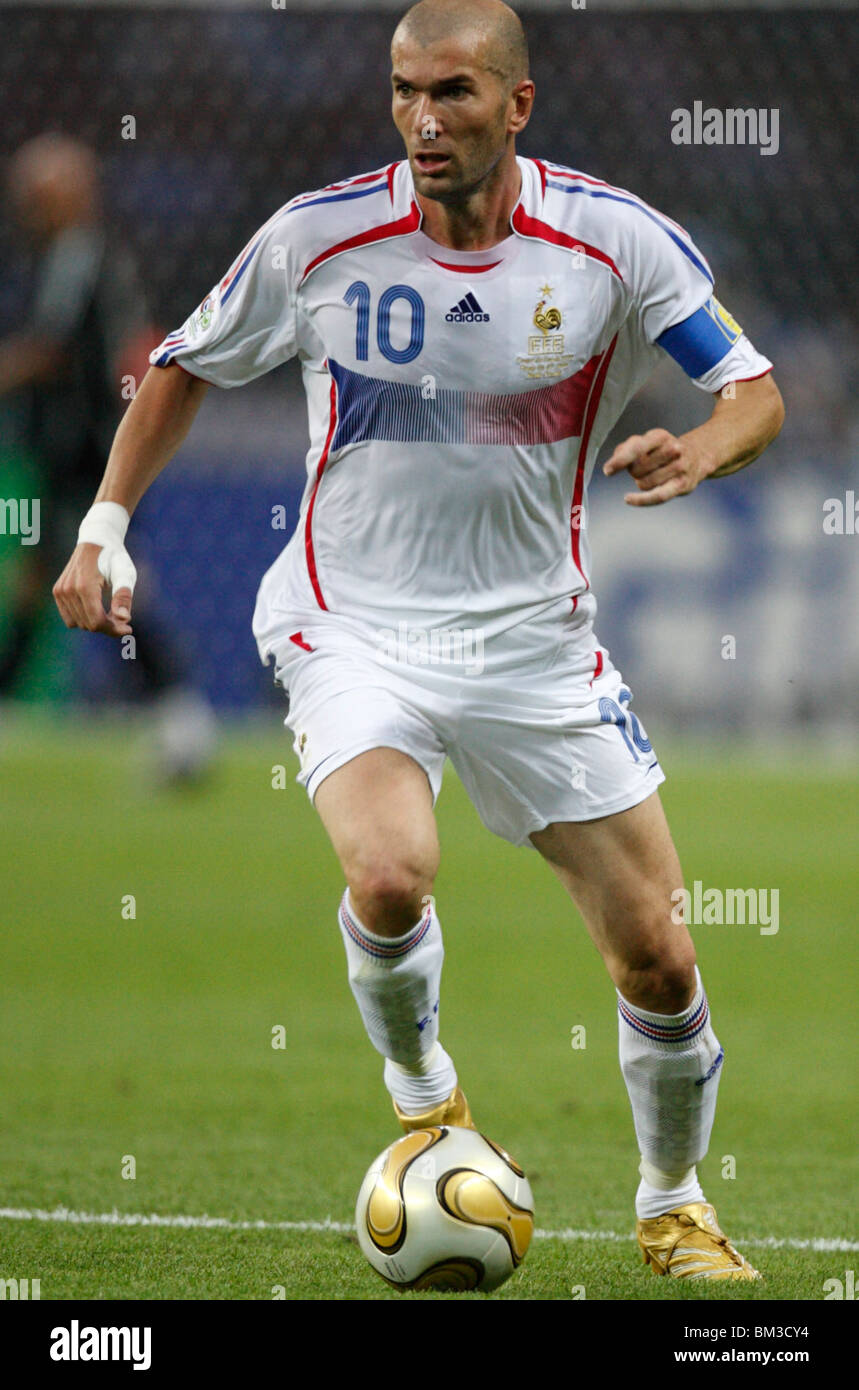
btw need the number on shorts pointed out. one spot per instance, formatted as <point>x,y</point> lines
<point>627,722</point>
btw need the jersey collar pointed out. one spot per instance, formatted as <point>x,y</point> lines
<point>530,200</point>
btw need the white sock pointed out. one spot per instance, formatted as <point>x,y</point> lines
<point>416,1091</point>
<point>396,983</point>
<point>660,1192</point>
<point>671,1064</point>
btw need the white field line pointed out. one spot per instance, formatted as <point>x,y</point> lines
<point>65,1216</point>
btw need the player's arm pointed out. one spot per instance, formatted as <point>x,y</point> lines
<point>246,325</point>
<point>152,429</point>
<point>673,310</point>
<point>744,421</point>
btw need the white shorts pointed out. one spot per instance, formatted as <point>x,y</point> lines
<point>542,736</point>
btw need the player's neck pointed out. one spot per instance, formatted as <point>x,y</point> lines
<point>482,219</point>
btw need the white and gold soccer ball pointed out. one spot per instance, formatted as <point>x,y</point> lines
<point>445,1208</point>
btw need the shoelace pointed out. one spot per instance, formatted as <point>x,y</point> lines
<point>688,1222</point>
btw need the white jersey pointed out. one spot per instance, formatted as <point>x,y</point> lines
<point>456,400</point>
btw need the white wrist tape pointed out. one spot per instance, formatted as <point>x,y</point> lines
<point>105,525</point>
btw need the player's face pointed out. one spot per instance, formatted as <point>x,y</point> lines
<point>452,114</point>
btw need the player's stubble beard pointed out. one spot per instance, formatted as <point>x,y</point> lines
<point>459,193</point>
<point>478,173</point>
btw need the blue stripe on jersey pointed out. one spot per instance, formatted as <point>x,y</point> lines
<point>240,272</point>
<point>342,197</point>
<point>698,343</point>
<point>171,346</point>
<point>614,198</point>
<point>369,408</point>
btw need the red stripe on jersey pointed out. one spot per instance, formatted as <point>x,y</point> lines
<point>590,415</point>
<point>302,198</point>
<point>541,231</point>
<point>299,641</point>
<point>542,168</point>
<point>402,227</point>
<point>308,525</point>
<point>466,269</point>
<point>250,246</point>
<point>597,669</point>
<point>359,178</point>
<point>186,370</point>
<point>757,377</point>
<point>392,169</point>
<point>238,262</point>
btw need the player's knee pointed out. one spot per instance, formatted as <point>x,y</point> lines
<point>388,894</point>
<point>662,982</point>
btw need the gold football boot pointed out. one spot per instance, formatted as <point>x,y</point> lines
<point>453,1111</point>
<point>688,1244</point>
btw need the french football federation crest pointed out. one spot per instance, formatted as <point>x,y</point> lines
<point>546,319</point>
<point>545,356</point>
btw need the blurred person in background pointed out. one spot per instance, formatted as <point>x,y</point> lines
<point>87,332</point>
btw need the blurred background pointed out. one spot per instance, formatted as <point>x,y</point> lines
<point>234,110</point>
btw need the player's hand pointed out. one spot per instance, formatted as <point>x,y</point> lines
<point>662,465</point>
<point>78,593</point>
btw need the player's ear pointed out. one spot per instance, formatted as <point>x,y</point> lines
<point>521,102</point>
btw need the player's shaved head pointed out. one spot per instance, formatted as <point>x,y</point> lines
<point>461,94</point>
<point>494,29</point>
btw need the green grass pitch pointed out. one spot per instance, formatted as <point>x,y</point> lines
<point>151,1037</point>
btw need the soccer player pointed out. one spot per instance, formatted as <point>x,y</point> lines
<point>470,324</point>
<point>85,328</point>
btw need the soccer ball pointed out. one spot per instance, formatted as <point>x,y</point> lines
<point>444,1208</point>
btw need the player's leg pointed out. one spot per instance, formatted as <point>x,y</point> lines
<point>378,812</point>
<point>621,871</point>
<point>555,756</point>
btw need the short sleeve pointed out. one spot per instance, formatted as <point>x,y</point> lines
<point>672,290</point>
<point>712,348</point>
<point>246,325</point>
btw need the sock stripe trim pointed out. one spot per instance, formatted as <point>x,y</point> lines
<point>669,1033</point>
<point>376,948</point>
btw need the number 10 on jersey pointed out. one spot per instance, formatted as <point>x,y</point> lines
<point>359,291</point>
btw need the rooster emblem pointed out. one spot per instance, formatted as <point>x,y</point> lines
<point>547,321</point>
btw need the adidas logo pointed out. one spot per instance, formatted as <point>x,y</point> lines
<point>467,311</point>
